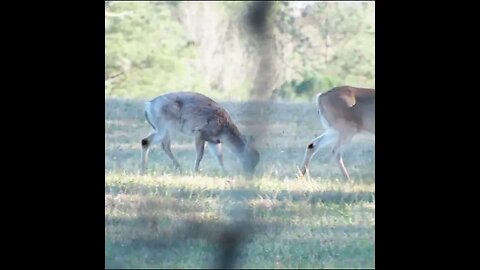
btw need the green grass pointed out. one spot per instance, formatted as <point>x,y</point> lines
<point>168,219</point>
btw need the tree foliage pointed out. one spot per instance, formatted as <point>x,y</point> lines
<point>159,47</point>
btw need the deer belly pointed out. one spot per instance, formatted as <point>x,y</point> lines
<point>210,139</point>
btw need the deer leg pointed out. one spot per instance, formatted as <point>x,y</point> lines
<point>166,148</point>
<point>337,151</point>
<point>200,147</point>
<point>324,139</point>
<point>216,149</point>
<point>146,143</point>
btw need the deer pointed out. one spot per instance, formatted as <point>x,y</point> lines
<point>198,116</point>
<point>344,112</point>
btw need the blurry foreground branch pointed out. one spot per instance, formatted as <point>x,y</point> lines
<point>231,237</point>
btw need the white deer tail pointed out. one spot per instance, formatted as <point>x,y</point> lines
<point>148,113</point>
<point>324,121</point>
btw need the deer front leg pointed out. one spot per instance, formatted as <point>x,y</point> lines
<point>216,149</point>
<point>199,147</point>
<point>338,152</point>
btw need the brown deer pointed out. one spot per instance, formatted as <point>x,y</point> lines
<point>196,115</point>
<point>344,111</point>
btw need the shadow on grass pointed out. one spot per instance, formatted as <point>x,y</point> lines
<point>210,241</point>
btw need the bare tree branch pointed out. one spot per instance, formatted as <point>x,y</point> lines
<point>111,77</point>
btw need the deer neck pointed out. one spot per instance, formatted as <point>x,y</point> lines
<point>233,139</point>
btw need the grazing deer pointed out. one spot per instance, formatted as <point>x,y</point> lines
<point>344,111</point>
<point>196,115</point>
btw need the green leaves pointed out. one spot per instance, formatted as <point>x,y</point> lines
<point>164,46</point>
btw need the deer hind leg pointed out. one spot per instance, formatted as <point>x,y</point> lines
<point>166,147</point>
<point>146,143</point>
<point>199,147</point>
<point>216,149</point>
<point>323,140</point>
<point>337,151</point>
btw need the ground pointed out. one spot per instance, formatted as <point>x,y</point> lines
<point>171,219</point>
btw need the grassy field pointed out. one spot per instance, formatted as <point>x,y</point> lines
<point>167,219</point>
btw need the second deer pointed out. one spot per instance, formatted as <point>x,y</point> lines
<point>344,111</point>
